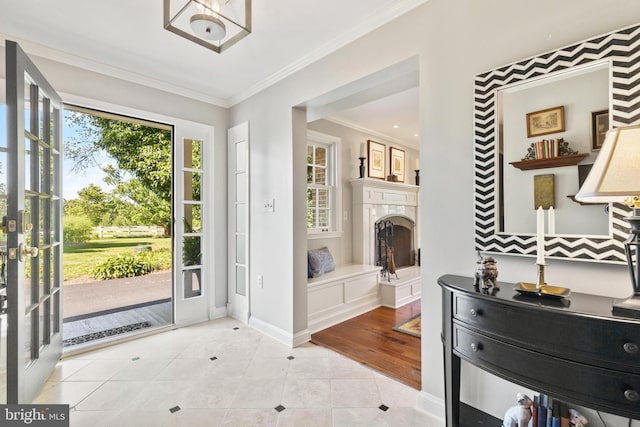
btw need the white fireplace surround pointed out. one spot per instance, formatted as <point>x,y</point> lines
<point>374,199</point>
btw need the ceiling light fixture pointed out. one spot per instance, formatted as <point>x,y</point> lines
<point>214,24</point>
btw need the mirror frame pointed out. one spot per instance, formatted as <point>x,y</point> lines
<point>620,49</point>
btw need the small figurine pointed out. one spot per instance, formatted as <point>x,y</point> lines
<point>519,415</point>
<point>486,272</point>
<point>576,419</point>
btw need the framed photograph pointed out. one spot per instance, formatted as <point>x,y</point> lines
<point>544,191</point>
<point>396,164</point>
<point>599,128</point>
<point>376,159</point>
<point>544,122</point>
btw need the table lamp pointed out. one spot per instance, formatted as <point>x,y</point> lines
<point>615,177</point>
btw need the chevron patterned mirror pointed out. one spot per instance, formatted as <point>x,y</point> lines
<point>613,61</point>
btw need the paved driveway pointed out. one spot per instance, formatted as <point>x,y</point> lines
<point>100,295</point>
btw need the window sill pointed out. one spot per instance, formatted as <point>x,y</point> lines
<point>327,235</point>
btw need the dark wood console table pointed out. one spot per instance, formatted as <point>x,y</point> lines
<point>574,349</point>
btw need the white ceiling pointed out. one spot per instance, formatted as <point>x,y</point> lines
<point>126,39</point>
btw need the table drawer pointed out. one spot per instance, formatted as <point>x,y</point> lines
<point>609,344</point>
<point>605,389</point>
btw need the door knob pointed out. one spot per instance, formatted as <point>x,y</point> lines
<point>25,250</point>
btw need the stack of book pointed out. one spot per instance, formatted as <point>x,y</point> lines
<point>548,148</point>
<point>549,412</point>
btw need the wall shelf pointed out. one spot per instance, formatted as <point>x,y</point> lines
<point>552,162</point>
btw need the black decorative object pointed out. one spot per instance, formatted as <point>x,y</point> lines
<point>417,176</point>
<point>362,159</point>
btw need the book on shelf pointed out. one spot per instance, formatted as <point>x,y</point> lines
<point>548,148</point>
<point>555,414</point>
<point>543,401</point>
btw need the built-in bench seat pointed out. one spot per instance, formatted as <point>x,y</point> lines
<point>346,292</point>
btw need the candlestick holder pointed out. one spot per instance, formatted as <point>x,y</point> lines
<point>417,176</point>
<point>540,288</point>
<point>362,159</point>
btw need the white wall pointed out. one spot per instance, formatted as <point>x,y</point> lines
<point>455,39</point>
<point>341,248</point>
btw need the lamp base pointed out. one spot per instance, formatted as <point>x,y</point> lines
<point>628,308</point>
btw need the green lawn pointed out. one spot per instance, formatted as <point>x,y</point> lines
<point>80,258</point>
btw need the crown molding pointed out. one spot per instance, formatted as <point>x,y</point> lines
<point>56,55</point>
<point>375,20</point>
<point>373,133</point>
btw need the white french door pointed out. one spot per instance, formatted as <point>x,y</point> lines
<point>238,202</point>
<point>32,226</point>
<point>191,294</point>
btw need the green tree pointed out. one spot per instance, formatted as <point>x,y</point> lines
<point>142,151</point>
<point>92,203</point>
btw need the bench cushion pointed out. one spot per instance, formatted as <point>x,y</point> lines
<point>320,262</point>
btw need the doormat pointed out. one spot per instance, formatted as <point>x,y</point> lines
<point>410,327</point>
<point>104,334</point>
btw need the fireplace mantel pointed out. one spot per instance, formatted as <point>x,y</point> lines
<point>374,199</point>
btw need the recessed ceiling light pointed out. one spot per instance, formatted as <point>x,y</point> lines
<point>396,126</point>
<point>415,134</point>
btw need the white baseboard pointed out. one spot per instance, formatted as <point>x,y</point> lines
<point>301,337</point>
<point>274,332</point>
<point>434,406</point>
<point>218,312</point>
<point>319,321</point>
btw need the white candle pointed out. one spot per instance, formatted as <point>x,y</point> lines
<point>417,165</point>
<point>540,236</point>
<point>552,221</point>
<point>363,150</point>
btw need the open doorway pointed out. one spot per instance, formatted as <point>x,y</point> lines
<point>118,246</point>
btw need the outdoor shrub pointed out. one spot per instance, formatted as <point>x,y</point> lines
<point>77,229</point>
<point>120,266</point>
<point>158,260</point>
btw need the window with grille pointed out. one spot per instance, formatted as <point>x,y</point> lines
<point>322,178</point>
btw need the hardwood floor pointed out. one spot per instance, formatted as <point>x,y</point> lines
<point>369,339</point>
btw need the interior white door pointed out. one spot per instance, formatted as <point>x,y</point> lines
<point>239,290</point>
<point>192,288</point>
<point>33,222</point>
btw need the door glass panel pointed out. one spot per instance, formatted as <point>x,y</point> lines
<point>240,249</point>
<point>41,270</point>
<point>196,154</point>
<point>27,103</point>
<point>41,322</point>
<point>192,186</point>
<point>191,252</point>
<point>41,116</point>
<point>27,163</point>
<point>191,280</point>
<point>241,156</point>
<point>192,219</point>
<point>241,188</point>
<point>241,218</point>
<point>55,314</point>
<point>27,337</point>
<point>241,280</point>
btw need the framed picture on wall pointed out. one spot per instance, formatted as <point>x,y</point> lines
<point>544,191</point>
<point>544,122</point>
<point>397,164</point>
<point>599,128</point>
<point>376,159</point>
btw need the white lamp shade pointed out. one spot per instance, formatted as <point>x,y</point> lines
<point>615,174</point>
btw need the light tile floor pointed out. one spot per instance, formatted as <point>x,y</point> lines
<point>224,373</point>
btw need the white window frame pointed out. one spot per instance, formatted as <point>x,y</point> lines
<point>332,144</point>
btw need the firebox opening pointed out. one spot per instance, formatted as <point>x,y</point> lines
<point>394,244</point>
